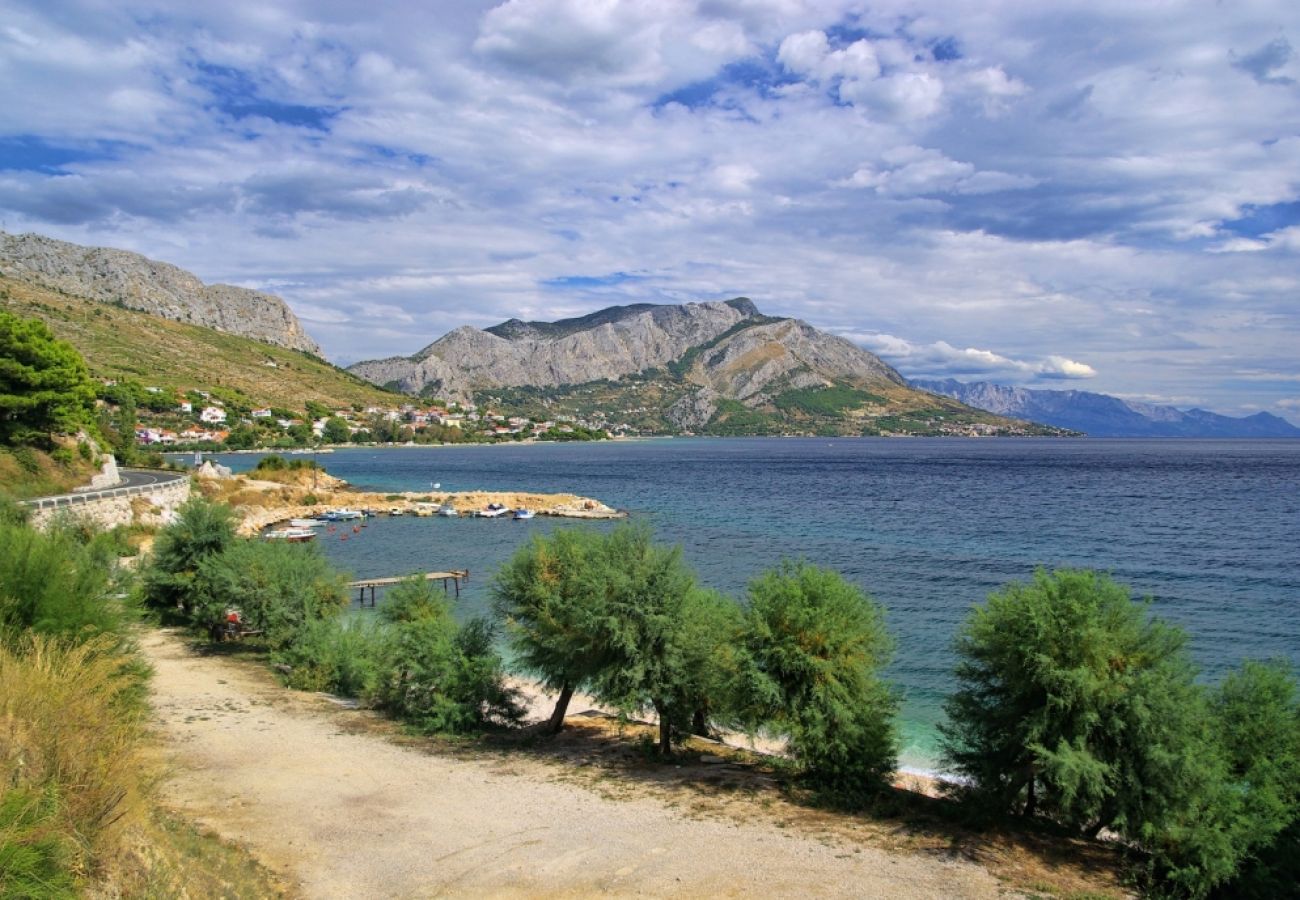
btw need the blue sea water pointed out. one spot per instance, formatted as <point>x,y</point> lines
<point>1209,530</point>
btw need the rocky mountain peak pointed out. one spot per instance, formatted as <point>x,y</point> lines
<point>137,282</point>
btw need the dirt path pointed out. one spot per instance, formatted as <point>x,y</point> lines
<point>342,813</point>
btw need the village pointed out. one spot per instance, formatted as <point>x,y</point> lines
<point>200,419</point>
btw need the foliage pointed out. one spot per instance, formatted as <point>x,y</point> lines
<point>1075,705</point>
<point>70,762</point>
<point>336,431</point>
<point>202,529</point>
<point>1257,710</point>
<point>273,462</point>
<point>12,512</point>
<point>547,595</point>
<point>339,654</point>
<point>55,583</point>
<point>278,587</point>
<point>735,418</point>
<point>814,645</point>
<point>440,677</point>
<point>824,401</point>
<point>641,637</point>
<point>45,387</point>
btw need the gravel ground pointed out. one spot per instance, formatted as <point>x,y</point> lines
<point>338,812</point>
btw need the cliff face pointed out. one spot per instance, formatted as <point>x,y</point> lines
<point>610,344</point>
<point>136,282</point>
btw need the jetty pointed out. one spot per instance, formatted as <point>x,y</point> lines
<point>451,579</point>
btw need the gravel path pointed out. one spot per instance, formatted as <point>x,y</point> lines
<point>342,813</point>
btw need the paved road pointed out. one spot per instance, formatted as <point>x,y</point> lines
<point>134,481</point>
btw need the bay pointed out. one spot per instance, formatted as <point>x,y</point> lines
<point>1209,530</point>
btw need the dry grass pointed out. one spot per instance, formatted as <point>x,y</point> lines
<point>71,721</point>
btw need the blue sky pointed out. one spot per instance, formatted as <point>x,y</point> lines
<point>1099,195</point>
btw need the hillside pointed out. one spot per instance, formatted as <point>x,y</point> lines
<point>1102,415</point>
<point>712,368</point>
<point>120,343</point>
<point>122,278</point>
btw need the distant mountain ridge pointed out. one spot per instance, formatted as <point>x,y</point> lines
<point>137,282</point>
<point>715,365</point>
<point>1102,415</point>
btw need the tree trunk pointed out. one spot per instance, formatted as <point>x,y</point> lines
<point>561,707</point>
<point>665,730</point>
<point>1031,802</point>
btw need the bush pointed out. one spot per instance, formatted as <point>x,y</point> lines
<point>278,588</point>
<point>435,675</point>
<point>202,529</point>
<point>339,655</point>
<point>55,583</point>
<point>814,645</point>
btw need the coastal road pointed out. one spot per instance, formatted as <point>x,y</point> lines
<point>341,811</point>
<point>133,481</point>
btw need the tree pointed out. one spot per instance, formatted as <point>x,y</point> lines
<point>1257,710</point>
<point>279,588</point>
<point>336,431</point>
<point>814,645</point>
<point>548,595</point>
<point>201,529</point>
<point>45,387</point>
<point>642,641</point>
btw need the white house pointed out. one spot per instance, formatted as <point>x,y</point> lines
<point>212,415</point>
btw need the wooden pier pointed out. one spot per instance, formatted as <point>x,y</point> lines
<point>449,580</point>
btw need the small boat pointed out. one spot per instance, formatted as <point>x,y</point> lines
<point>343,515</point>
<point>423,509</point>
<point>396,511</point>
<point>522,513</point>
<point>492,512</point>
<point>290,535</point>
<point>448,510</point>
<point>305,523</point>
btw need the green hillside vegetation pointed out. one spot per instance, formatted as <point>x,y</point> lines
<point>119,343</point>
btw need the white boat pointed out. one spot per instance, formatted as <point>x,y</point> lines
<point>396,511</point>
<point>305,523</point>
<point>292,535</point>
<point>490,513</point>
<point>448,510</point>
<point>522,513</point>
<point>343,515</point>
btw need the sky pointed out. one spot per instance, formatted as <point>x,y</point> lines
<point>1096,195</point>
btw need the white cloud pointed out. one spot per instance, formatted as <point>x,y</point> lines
<point>941,359</point>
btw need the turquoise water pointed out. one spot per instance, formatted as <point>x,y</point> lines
<point>1210,530</point>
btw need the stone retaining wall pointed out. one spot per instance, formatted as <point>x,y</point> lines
<point>145,505</point>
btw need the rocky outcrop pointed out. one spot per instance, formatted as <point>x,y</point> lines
<point>609,344</point>
<point>136,282</point>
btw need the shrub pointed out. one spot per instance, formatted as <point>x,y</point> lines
<point>53,583</point>
<point>278,588</point>
<point>202,529</point>
<point>814,645</point>
<point>339,655</point>
<point>443,679</point>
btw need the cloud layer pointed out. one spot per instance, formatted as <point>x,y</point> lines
<point>1096,190</point>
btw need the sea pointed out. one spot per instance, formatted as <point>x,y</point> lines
<point>1207,530</point>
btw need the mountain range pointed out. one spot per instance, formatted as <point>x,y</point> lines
<point>720,367</point>
<point>1101,415</point>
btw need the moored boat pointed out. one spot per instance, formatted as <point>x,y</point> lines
<point>305,523</point>
<point>448,510</point>
<point>523,513</point>
<point>291,535</point>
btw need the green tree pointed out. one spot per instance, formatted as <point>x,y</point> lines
<point>1076,705</point>
<point>201,529</point>
<point>54,583</point>
<point>336,431</point>
<point>278,587</point>
<point>642,638</point>
<point>814,645</point>
<point>45,387</point>
<point>549,595</point>
<point>1257,710</point>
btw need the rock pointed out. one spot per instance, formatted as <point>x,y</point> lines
<point>209,469</point>
<point>136,282</point>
